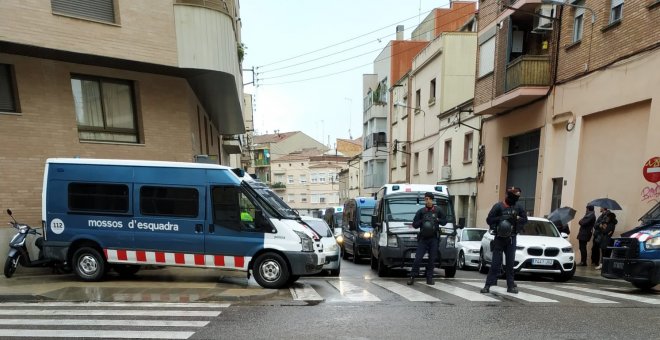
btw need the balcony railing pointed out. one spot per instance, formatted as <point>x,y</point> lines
<point>528,70</point>
<point>261,162</point>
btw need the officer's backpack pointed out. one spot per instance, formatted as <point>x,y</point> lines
<point>428,224</point>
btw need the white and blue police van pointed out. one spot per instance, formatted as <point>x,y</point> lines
<point>394,240</point>
<point>122,214</point>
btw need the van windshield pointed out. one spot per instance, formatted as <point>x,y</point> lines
<point>267,196</point>
<point>403,208</point>
<point>365,215</point>
<point>320,227</point>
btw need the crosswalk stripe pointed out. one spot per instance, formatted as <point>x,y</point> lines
<point>406,292</point>
<point>463,293</point>
<point>520,295</point>
<point>306,293</point>
<point>569,295</point>
<point>72,333</point>
<point>616,295</point>
<point>352,292</point>
<point>102,322</point>
<point>115,304</point>
<point>113,312</point>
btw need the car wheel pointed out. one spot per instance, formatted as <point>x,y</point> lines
<point>565,276</point>
<point>450,272</point>
<point>461,260</point>
<point>644,285</point>
<point>292,279</point>
<point>374,262</point>
<point>271,271</point>
<point>356,258</point>
<point>482,264</point>
<point>344,255</point>
<point>335,272</point>
<point>89,264</point>
<point>382,269</point>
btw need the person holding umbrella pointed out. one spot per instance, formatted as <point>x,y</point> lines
<point>587,224</point>
<point>596,250</point>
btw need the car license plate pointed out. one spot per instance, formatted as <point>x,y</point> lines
<point>617,265</point>
<point>321,259</point>
<point>412,255</point>
<point>542,262</point>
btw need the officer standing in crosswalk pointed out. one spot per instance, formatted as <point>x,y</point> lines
<point>427,220</point>
<point>505,220</point>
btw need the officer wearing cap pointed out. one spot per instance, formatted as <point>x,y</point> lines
<point>505,220</point>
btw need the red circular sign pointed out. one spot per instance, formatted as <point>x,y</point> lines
<point>651,170</point>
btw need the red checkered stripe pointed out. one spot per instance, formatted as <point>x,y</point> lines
<point>176,259</point>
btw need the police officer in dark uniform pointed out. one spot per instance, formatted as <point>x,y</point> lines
<point>427,218</point>
<point>505,220</point>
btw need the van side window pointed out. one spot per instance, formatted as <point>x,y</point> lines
<point>97,197</point>
<point>233,209</point>
<point>169,201</point>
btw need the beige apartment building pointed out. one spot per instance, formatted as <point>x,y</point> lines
<point>157,80</point>
<point>570,104</point>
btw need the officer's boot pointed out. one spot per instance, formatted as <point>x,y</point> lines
<point>411,280</point>
<point>485,290</point>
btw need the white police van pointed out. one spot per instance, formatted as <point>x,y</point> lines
<point>122,214</point>
<point>394,240</point>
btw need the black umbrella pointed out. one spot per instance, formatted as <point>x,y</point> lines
<point>562,215</point>
<point>607,203</point>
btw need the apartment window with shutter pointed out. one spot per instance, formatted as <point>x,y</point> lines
<point>303,179</point>
<point>416,164</point>
<point>8,95</point>
<point>105,109</point>
<point>447,158</point>
<point>303,198</point>
<point>290,179</point>
<point>616,11</point>
<point>418,99</point>
<point>432,92</point>
<point>98,10</point>
<point>430,161</point>
<point>487,57</point>
<point>291,198</point>
<point>467,147</point>
<point>578,22</point>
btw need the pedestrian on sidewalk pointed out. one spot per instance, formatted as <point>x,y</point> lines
<point>587,224</point>
<point>608,230</point>
<point>427,220</point>
<point>596,250</point>
<point>505,220</point>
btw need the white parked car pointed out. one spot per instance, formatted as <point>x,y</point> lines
<point>468,243</point>
<point>540,249</point>
<point>330,248</point>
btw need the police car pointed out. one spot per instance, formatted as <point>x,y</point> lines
<point>540,249</point>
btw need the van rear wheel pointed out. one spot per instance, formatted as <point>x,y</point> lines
<point>271,271</point>
<point>89,264</point>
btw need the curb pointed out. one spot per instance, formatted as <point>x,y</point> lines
<point>601,280</point>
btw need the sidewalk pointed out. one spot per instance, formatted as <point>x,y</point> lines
<point>590,274</point>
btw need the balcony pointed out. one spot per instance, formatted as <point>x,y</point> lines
<point>528,70</point>
<point>278,186</point>
<point>232,144</point>
<point>261,162</point>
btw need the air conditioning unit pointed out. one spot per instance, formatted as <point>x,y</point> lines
<point>542,24</point>
<point>445,172</point>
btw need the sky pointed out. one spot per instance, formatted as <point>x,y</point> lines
<point>309,57</point>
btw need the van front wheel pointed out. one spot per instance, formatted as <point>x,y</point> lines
<point>89,264</point>
<point>271,271</point>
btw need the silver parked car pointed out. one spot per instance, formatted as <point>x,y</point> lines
<point>468,244</point>
<point>330,248</point>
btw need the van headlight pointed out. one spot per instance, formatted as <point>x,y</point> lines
<point>653,243</point>
<point>332,248</point>
<point>451,241</point>
<point>305,241</point>
<point>567,250</point>
<point>392,241</point>
<point>340,239</point>
<point>365,234</point>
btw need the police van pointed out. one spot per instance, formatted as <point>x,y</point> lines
<point>394,240</point>
<point>122,214</point>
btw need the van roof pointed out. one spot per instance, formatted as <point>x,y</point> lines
<point>365,201</point>
<point>388,189</point>
<point>131,162</point>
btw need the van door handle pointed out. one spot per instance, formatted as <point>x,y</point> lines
<point>198,228</point>
<point>211,228</point>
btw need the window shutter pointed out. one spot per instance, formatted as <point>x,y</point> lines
<point>6,93</point>
<point>616,3</point>
<point>101,10</point>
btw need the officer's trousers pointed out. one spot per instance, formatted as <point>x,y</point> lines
<point>425,245</point>
<point>502,246</point>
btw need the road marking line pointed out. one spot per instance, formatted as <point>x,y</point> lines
<point>114,304</point>
<point>520,295</point>
<point>616,295</point>
<point>112,312</point>
<point>72,333</point>
<point>306,293</point>
<point>103,322</point>
<point>406,292</point>
<point>352,292</point>
<point>569,295</point>
<point>463,293</point>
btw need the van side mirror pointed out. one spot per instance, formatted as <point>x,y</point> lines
<point>351,225</point>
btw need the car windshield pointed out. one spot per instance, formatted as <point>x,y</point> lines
<point>320,227</point>
<point>272,200</point>
<point>365,215</point>
<point>539,228</point>
<point>402,208</point>
<point>338,218</point>
<point>473,234</point>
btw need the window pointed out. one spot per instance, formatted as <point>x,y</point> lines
<point>314,178</point>
<point>279,178</point>
<point>303,178</point>
<point>169,201</point>
<point>303,198</point>
<point>290,179</point>
<point>95,197</point>
<point>105,109</point>
<point>578,22</point>
<point>322,199</point>
<point>447,158</point>
<point>430,161</point>
<point>616,12</point>
<point>321,177</point>
<point>8,102</point>
<point>291,198</point>
<point>418,99</point>
<point>416,164</point>
<point>467,147</point>
<point>487,57</point>
<point>315,198</point>
<point>557,186</point>
<point>403,155</point>
<point>233,209</point>
<point>432,92</point>
<point>100,10</point>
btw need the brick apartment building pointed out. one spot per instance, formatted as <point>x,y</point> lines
<point>157,80</point>
<point>568,92</point>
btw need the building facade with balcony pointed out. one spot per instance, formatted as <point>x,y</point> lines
<point>93,80</point>
<point>581,127</point>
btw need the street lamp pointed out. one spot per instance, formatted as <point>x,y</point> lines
<point>566,3</point>
<point>410,107</point>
